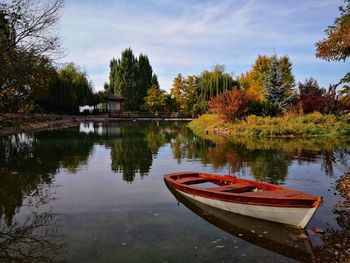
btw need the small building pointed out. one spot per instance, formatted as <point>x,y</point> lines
<point>113,103</point>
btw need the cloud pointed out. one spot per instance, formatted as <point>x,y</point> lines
<point>190,36</point>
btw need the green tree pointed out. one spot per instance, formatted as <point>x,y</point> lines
<point>336,45</point>
<point>122,78</point>
<point>190,89</point>
<point>131,78</point>
<point>210,84</point>
<point>144,79</point>
<point>72,90</point>
<point>155,101</point>
<point>278,91</point>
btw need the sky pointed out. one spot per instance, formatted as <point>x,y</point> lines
<point>189,36</point>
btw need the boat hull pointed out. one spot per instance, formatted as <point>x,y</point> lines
<point>295,216</point>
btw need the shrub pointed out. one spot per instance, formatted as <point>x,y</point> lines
<point>231,105</point>
<point>313,98</point>
<point>263,108</point>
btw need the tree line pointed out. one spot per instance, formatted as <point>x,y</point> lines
<point>29,78</point>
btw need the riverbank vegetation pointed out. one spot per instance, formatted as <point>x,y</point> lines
<point>31,81</point>
<point>289,125</point>
<point>266,102</point>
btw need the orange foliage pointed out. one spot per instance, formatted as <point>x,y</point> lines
<point>231,105</point>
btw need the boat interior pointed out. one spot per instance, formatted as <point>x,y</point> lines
<point>218,183</point>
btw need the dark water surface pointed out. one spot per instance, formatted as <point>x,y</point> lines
<point>95,193</point>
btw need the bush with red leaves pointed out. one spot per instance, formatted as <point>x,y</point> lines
<point>231,105</point>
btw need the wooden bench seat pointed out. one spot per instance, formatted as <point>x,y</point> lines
<point>231,188</point>
<point>193,180</point>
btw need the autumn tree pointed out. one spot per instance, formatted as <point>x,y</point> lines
<point>231,105</point>
<point>28,40</point>
<point>311,96</point>
<point>177,92</point>
<point>155,101</point>
<point>336,45</point>
<point>253,80</point>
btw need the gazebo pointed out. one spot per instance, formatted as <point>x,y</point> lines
<point>113,103</point>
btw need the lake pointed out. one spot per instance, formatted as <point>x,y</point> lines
<point>95,193</point>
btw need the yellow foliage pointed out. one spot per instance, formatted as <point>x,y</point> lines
<point>253,81</point>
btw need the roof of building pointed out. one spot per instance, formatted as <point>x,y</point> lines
<point>111,97</point>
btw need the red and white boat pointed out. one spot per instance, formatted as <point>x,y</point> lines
<point>260,200</point>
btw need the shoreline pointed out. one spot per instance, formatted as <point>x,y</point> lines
<point>313,125</point>
<point>36,123</point>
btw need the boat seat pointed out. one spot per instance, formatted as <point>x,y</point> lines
<point>232,188</point>
<point>193,180</point>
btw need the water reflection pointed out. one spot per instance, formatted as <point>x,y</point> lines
<point>131,154</point>
<point>30,162</point>
<point>35,236</point>
<point>287,241</point>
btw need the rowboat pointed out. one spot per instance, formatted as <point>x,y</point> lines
<point>255,199</point>
<point>282,239</point>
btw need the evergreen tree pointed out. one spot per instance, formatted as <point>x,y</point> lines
<point>253,80</point>
<point>278,92</point>
<point>154,80</point>
<point>131,78</point>
<point>144,79</point>
<point>123,78</point>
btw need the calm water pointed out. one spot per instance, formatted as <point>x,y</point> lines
<point>95,193</point>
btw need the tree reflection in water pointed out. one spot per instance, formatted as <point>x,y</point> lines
<point>34,237</point>
<point>32,160</point>
<point>29,162</point>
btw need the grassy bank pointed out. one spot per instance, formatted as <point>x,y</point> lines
<point>310,125</point>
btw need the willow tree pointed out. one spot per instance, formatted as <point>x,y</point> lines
<point>72,90</point>
<point>211,84</point>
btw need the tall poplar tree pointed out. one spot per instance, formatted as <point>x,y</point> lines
<point>131,78</point>
<point>144,79</point>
